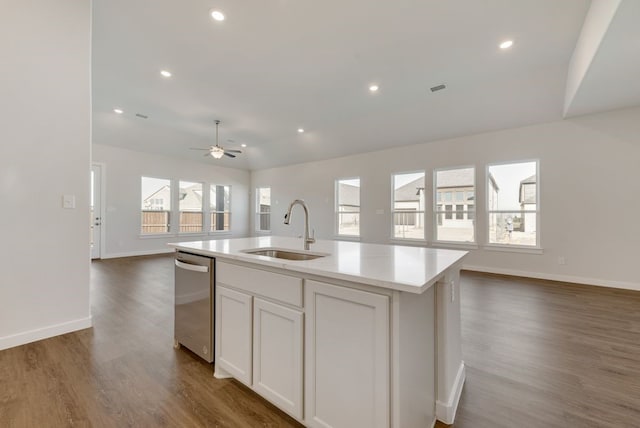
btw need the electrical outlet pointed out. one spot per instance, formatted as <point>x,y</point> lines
<point>453,291</point>
<point>562,260</point>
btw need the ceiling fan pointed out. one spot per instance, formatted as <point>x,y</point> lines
<point>217,151</point>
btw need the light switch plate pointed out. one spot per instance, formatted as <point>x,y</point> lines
<point>68,202</point>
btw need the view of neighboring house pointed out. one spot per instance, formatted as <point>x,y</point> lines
<point>160,200</point>
<point>349,208</point>
<point>156,209</point>
<point>408,207</point>
<point>409,198</point>
<point>455,205</point>
<point>190,199</point>
<point>528,200</point>
<point>264,208</point>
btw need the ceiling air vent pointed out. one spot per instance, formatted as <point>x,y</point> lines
<point>438,88</point>
<point>142,116</point>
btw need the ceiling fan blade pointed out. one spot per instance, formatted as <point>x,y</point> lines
<point>207,154</point>
<point>229,154</point>
<point>232,151</point>
<point>197,148</point>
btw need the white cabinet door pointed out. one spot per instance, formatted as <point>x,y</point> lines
<point>233,333</point>
<point>346,357</point>
<point>277,355</point>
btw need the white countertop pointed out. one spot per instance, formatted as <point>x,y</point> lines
<point>396,267</point>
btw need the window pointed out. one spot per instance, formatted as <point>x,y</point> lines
<point>512,203</point>
<point>459,212</point>
<point>263,208</point>
<point>156,205</point>
<point>220,207</point>
<point>448,209</point>
<point>190,205</point>
<point>456,223</point>
<point>407,212</point>
<point>348,206</point>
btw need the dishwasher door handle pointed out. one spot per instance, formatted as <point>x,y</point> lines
<point>194,268</point>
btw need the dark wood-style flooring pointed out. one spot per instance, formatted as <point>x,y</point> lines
<point>538,354</point>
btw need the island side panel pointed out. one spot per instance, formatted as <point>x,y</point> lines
<point>414,358</point>
<point>450,367</point>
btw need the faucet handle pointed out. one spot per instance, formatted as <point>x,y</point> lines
<point>313,236</point>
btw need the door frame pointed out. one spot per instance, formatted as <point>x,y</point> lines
<point>103,191</point>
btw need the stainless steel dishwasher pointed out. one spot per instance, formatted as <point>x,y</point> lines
<point>194,294</point>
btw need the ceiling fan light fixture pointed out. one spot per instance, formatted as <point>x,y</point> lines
<point>217,152</point>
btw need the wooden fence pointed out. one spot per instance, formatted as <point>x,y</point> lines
<point>155,221</point>
<point>158,221</point>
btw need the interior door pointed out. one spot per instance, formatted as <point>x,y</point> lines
<point>96,210</point>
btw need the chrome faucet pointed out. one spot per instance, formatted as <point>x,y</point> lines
<point>307,240</point>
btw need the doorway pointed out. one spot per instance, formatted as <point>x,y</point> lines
<point>96,219</point>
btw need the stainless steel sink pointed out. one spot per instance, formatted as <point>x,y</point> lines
<point>284,254</point>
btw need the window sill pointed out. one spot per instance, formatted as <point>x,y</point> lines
<point>220,233</point>
<point>455,245</point>
<point>347,238</point>
<point>157,235</point>
<point>414,242</point>
<point>513,249</point>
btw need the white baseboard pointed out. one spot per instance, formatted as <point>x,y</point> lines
<point>138,253</point>
<point>44,333</point>
<point>219,373</point>
<point>446,412</point>
<point>554,277</point>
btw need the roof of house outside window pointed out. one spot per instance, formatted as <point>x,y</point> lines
<point>461,177</point>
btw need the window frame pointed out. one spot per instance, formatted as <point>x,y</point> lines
<point>259,213</point>
<point>202,210</point>
<point>170,212</point>
<point>453,203</point>
<point>537,249</point>
<point>210,211</point>
<point>337,211</point>
<point>393,211</point>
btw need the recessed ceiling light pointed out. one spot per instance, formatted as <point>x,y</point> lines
<point>374,88</point>
<point>165,73</point>
<point>243,145</point>
<point>300,130</point>
<point>217,15</point>
<point>118,111</point>
<point>506,44</point>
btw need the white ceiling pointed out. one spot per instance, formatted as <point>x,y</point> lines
<point>272,67</point>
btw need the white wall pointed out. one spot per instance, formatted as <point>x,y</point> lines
<point>122,172</point>
<point>44,153</point>
<point>589,184</point>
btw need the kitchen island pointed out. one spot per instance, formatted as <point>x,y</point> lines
<point>358,335</point>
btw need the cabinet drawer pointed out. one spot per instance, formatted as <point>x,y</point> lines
<point>283,288</point>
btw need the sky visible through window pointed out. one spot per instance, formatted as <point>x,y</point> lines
<point>152,185</point>
<point>401,179</point>
<point>508,178</point>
